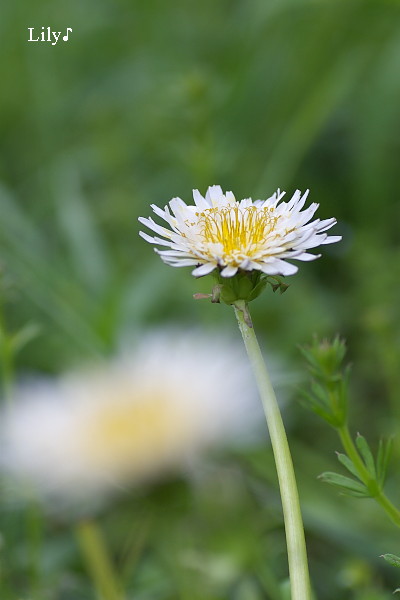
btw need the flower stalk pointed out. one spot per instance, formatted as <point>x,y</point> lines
<point>6,362</point>
<point>98,561</point>
<point>296,546</point>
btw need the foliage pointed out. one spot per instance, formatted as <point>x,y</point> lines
<point>146,101</point>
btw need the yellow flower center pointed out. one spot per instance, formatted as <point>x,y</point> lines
<point>130,435</point>
<point>238,229</point>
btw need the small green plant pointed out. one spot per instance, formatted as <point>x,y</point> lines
<point>328,398</point>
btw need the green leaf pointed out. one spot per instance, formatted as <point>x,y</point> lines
<point>325,358</point>
<point>345,460</point>
<point>366,453</point>
<point>382,461</point>
<point>312,403</point>
<point>345,484</point>
<point>392,559</point>
<point>308,355</point>
<point>321,393</point>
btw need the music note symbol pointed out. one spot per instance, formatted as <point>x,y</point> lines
<point>65,37</point>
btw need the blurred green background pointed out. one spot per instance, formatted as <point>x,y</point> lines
<point>146,101</point>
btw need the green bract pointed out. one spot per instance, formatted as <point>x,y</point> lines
<point>245,285</point>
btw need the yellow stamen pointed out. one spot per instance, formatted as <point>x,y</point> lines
<point>237,229</point>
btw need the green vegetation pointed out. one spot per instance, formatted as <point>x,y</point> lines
<point>146,101</point>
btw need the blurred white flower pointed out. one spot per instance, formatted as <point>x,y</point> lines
<point>136,418</point>
<point>218,231</point>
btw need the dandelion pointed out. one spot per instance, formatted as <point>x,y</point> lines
<point>249,244</point>
<point>218,232</point>
<point>138,418</point>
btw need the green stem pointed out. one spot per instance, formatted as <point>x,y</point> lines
<point>365,477</point>
<point>7,375</point>
<point>296,546</point>
<point>34,530</point>
<point>98,561</point>
<point>6,362</point>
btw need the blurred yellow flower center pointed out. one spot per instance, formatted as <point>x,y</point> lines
<point>129,431</point>
<point>237,228</point>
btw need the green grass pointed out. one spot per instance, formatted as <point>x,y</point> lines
<point>145,102</point>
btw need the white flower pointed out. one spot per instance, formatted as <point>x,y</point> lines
<point>93,432</point>
<point>220,232</point>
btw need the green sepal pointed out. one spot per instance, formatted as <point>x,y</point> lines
<point>345,484</point>
<point>258,289</point>
<point>227,294</point>
<point>245,285</point>
<point>277,284</point>
<point>393,560</point>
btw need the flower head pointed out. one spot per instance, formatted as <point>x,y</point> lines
<point>92,432</point>
<point>220,232</point>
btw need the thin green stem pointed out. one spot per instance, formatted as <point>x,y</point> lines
<point>6,362</point>
<point>295,540</point>
<point>98,561</point>
<point>34,530</point>
<point>365,476</point>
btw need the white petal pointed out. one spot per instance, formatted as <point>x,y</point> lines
<point>315,240</point>
<point>157,228</point>
<point>214,193</point>
<point>272,200</point>
<point>204,269</point>
<point>306,256</point>
<point>176,253</point>
<point>280,267</point>
<point>148,238</point>
<point>199,201</point>
<point>159,211</point>
<point>326,224</point>
<point>269,269</point>
<point>253,266</point>
<point>306,215</point>
<point>172,221</point>
<point>159,241</point>
<point>177,205</point>
<point>301,201</point>
<point>246,202</point>
<point>229,271</point>
<point>179,262</point>
<point>294,200</point>
<point>331,239</point>
<point>176,245</point>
